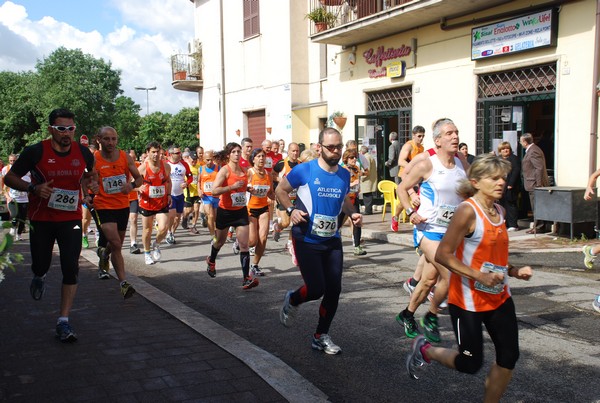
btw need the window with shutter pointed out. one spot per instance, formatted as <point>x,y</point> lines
<point>251,18</point>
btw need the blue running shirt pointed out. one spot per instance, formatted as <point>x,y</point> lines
<point>321,194</point>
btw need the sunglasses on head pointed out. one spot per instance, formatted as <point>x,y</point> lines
<point>63,129</point>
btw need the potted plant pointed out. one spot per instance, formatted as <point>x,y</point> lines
<point>339,119</point>
<point>322,18</point>
<point>7,259</point>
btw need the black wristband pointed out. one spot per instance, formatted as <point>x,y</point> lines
<point>31,188</point>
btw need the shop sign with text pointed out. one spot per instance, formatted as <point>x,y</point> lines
<point>527,32</point>
<point>381,54</point>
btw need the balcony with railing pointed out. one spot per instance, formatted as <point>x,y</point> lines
<point>351,22</point>
<point>186,70</point>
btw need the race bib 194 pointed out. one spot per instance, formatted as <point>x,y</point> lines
<point>63,199</point>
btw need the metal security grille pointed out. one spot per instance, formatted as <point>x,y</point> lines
<point>517,82</point>
<point>395,103</point>
<point>394,99</point>
<point>529,84</point>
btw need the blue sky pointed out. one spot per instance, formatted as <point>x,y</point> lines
<point>87,15</point>
<point>136,36</point>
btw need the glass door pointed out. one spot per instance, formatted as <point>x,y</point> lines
<point>372,131</point>
<point>503,121</point>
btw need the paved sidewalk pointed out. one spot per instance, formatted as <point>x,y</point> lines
<point>376,229</point>
<point>129,350</point>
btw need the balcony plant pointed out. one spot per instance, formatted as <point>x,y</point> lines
<point>322,18</point>
<point>339,119</point>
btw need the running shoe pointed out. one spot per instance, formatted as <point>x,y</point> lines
<point>65,333</point>
<point>37,287</point>
<point>288,311</point>
<point>324,343</point>
<point>211,267</point>
<point>156,253</point>
<point>194,231</point>
<point>411,330</point>
<point>430,328</point>
<point>256,271</point>
<point>252,250</point>
<point>415,358</point>
<point>236,248</point>
<point>13,231</point>
<point>359,251</point>
<point>103,275</point>
<point>170,238</point>
<point>596,303</point>
<point>148,259</point>
<point>588,259</point>
<point>127,290</point>
<point>84,242</point>
<point>203,220</point>
<point>249,283</point>
<point>184,222</point>
<point>230,234</point>
<point>103,258</point>
<point>135,249</point>
<point>394,225</point>
<point>277,234</point>
<point>408,287</point>
<point>431,294</point>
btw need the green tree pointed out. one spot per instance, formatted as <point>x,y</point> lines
<point>152,128</point>
<point>183,128</point>
<point>87,86</point>
<point>17,111</point>
<point>127,123</point>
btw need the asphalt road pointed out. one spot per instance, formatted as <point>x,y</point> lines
<point>560,355</point>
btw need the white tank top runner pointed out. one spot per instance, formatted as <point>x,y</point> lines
<point>438,195</point>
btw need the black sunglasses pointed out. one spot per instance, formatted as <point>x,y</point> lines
<point>331,148</point>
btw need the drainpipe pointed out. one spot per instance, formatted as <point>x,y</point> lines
<point>222,89</point>
<point>596,75</point>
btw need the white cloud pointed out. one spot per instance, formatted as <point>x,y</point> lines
<point>141,50</point>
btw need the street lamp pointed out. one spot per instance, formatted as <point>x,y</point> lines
<point>146,89</point>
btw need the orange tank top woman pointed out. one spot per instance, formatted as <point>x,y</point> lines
<point>259,186</point>
<point>234,199</point>
<point>485,250</point>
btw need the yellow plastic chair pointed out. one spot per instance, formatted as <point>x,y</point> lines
<point>388,189</point>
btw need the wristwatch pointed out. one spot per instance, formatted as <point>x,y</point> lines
<point>289,210</point>
<point>31,188</point>
<point>409,211</point>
